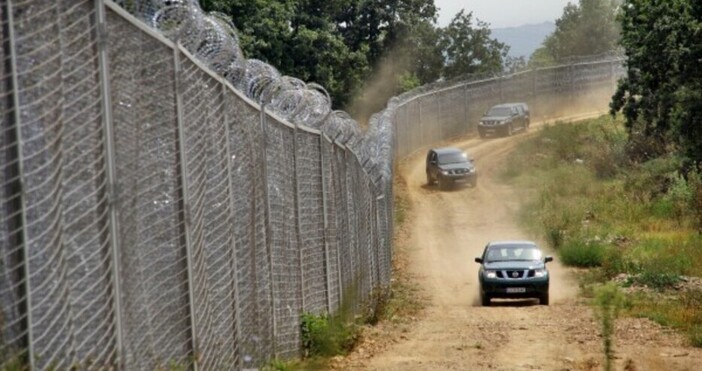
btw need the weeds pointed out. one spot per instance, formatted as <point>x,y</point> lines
<point>603,209</point>
<point>609,302</point>
<point>324,335</point>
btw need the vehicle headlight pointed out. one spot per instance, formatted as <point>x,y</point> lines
<point>490,274</point>
<point>445,172</point>
<point>540,273</point>
<point>471,170</point>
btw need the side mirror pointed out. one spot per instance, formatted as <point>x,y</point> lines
<point>479,260</point>
<point>433,162</point>
<point>548,259</point>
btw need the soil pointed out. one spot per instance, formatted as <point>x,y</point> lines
<point>445,231</point>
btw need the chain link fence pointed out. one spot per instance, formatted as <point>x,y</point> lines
<point>436,113</point>
<point>167,203</point>
<point>153,216</point>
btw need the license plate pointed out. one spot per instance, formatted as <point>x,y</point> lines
<point>516,290</point>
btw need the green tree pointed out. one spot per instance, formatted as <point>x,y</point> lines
<point>661,94</point>
<point>337,44</point>
<point>469,49</point>
<point>588,28</point>
<point>264,25</point>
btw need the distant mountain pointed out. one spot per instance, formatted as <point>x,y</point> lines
<point>523,40</point>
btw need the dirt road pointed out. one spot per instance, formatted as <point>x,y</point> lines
<point>448,229</point>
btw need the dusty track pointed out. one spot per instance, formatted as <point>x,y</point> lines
<point>448,229</point>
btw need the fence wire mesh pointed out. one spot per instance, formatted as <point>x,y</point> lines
<point>427,116</point>
<point>152,215</point>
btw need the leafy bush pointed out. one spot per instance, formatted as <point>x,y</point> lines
<point>613,262</point>
<point>580,253</point>
<point>679,196</point>
<point>650,179</point>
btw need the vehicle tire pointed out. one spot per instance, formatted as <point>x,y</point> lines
<point>485,300</point>
<point>430,181</point>
<point>510,130</point>
<point>543,299</point>
<point>473,183</point>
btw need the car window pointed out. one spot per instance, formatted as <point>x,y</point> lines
<point>453,158</point>
<point>499,111</point>
<point>505,253</point>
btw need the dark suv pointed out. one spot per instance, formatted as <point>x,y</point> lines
<point>513,269</point>
<point>449,165</point>
<point>504,119</point>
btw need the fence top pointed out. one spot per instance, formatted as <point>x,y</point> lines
<point>466,83</point>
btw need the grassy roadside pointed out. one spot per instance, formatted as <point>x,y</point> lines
<point>635,224</point>
<point>326,338</point>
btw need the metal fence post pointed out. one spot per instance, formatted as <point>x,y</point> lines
<point>18,185</point>
<point>325,235</point>
<point>184,196</point>
<point>298,228</point>
<point>499,82</point>
<point>465,109</point>
<point>269,252</point>
<point>338,245</point>
<point>232,207</point>
<point>111,173</point>
<point>420,129</point>
<point>382,274</point>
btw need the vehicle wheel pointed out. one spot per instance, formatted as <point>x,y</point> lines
<point>430,181</point>
<point>543,300</point>
<point>473,183</point>
<point>485,300</point>
<point>510,130</point>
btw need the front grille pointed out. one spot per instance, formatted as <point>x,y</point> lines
<point>491,123</point>
<point>515,274</point>
<point>458,171</point>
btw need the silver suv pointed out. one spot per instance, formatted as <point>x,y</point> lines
<point>504,119</point>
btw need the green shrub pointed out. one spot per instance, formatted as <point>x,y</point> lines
<point>324,335</point>
<point>651,178</point>
<point>694,179</point>
<point>656,279</point>
<point>580,253</point>
<point>613,262</point>
<point>679,195</point>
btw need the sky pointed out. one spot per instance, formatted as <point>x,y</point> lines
<point>503,13</point>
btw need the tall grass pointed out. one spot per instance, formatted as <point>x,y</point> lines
<point>601,211</point>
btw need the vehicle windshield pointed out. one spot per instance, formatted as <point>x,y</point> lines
<point>500,111</point>
<point>511,253</point>
<point>453,158</point>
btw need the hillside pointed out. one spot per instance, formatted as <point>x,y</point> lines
<point>523,40</point>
